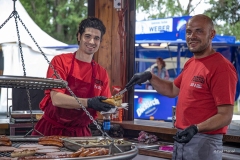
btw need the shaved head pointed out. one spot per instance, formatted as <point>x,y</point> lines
<point>208,21</point>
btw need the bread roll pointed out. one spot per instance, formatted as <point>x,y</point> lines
<point>115,100</point>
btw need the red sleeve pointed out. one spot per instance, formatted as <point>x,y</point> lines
<point>61,69</point>
<point>178,80</point>
<point>223,86</point>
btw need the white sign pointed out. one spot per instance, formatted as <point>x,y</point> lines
<point>154,26</point>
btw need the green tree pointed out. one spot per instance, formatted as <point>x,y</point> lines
<point>165,8</point>
<point>225,13</point>
<point>58,18</point>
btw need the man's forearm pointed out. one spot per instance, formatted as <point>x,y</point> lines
<point>164,87</point>
<point>217,121</point>
<point>66,101</point>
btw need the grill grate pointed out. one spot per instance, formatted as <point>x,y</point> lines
<point>25,82</point>
<point>18,143</point>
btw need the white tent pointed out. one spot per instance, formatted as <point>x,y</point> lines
<point>8,32</point>
<point>35,63</point>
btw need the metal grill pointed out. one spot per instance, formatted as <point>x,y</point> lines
<point>31,82</point>
<point>18,143</point>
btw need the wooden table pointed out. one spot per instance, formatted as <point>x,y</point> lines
<point>167,128</point>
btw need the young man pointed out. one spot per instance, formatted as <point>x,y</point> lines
<point>88,81</point>
<point>205,88</point>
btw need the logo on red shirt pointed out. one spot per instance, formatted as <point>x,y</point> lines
<point>197,81</point>
<point>98,87</point>
<point>99,82</point>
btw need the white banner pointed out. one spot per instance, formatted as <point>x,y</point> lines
<point>154,26</point>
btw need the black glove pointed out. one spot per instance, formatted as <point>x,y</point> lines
<point>139,78</point>
<point>98,105</point>
<point>186,135</point>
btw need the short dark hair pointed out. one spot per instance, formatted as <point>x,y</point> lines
<point>91,22</point>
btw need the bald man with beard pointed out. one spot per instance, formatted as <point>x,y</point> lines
<point>206,90</point>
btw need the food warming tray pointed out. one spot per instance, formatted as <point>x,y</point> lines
<point>75,143</point>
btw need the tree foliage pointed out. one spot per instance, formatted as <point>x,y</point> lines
<point>58,18</point>
<point>225,13</point>
<point>165,8</point>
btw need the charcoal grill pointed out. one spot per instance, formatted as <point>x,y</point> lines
<point>19,140</point>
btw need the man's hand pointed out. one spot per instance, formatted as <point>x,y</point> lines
<point>186,135</point>
<point>97,104</point>
<point>139,78</point>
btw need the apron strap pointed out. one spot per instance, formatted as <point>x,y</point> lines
<point>72,64</point>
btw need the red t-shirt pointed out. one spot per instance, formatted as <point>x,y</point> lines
<point>82,70</point>
<point>204,84</point>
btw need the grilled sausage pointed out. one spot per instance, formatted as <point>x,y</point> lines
<point>5,143</point>
<point>4,138</point>
<point>51,143</point>
<point>77,154</point>
<point>50,138</point>
<point>99,152</point>
<point>85,153</point>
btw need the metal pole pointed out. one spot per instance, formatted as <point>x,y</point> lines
<point>14,6</point>
<point>179,59</point>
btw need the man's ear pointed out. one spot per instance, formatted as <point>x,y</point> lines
<point>212,34</point>
<point>79,37</point>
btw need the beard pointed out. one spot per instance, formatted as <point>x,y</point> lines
<point>199,50</point>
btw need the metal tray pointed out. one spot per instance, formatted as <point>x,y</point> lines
<point>73,143</point>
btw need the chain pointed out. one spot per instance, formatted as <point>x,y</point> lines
<point>20,44</point>
<point>23,66</point>
<point>11,15</point>
<point>30,106</point>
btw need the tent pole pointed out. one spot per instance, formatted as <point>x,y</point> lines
<point>178,59</point>
<point>14,4</point>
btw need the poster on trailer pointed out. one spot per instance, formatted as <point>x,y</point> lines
<point>148,104</point>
